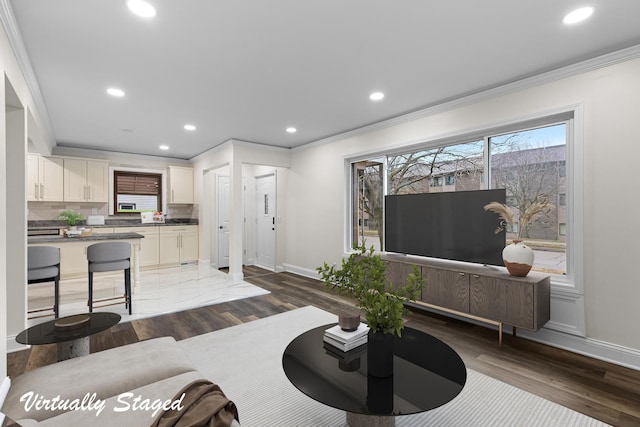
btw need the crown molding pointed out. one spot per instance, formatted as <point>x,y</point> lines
<point>582,67</point>
<point>19,50</point>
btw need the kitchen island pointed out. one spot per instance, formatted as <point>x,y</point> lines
<point>170,244</point>
<point>73,251</point>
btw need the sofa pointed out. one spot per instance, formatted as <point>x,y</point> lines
<point>127,386</point>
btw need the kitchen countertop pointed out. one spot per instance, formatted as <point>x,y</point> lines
<point>94,237</point>
<point>110,223</point>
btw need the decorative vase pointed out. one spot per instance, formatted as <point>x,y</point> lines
<point>518,258</point>
<point>349,320</point>
<point>380,354</point>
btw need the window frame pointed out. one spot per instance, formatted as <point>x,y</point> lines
<point>572,282</point>
<point>113,169</point>
<point>158,194</point>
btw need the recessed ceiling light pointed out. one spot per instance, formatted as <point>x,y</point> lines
<point>115,92</point>
<point>292,130</point>
<point>164,147</point>
<point>189,127</point>
<point>578,15</point>
<point>376,96</point>
<point>141,8</point>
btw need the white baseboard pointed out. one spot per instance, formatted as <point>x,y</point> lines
<point>13,345</point>
<point>601,350</point>
<point>306,272</point>
<point>236,277</point>
<point>4,389</point>
<point>555,334</point>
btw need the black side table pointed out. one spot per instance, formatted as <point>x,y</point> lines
<point>427,373</point>
<point>70,333</point>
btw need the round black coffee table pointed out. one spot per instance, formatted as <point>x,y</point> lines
<point>70,333</point>
<point>427,373</point>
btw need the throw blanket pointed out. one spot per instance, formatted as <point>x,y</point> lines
<point>204,405</point>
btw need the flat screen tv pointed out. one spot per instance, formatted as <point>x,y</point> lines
<point>452,225</point>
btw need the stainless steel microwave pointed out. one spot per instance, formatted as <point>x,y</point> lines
<point>126,206</point>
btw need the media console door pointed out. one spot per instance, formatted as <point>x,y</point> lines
<point>517,303</point>
<point>446,288</point>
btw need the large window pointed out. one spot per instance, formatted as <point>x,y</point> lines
<point>367,202</point>
<point>530,163</point>
<point>137,192</point>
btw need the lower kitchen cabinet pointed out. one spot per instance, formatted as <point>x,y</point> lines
<point>73,259</point>
<point>178,245</point>
<point>149,246</point>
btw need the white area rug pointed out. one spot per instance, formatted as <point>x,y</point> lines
<point>246,361</point>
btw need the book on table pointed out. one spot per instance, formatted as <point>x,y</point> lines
<point>346,340</point>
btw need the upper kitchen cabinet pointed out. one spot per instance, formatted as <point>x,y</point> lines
<point>180,185</point>
<point>86,180</point>
<point>44,178</point>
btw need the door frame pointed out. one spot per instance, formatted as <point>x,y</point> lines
<point>273,174</point>
<point>215,241</point>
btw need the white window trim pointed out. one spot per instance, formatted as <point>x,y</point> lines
<point>113,169</point>
<point>571,285</point>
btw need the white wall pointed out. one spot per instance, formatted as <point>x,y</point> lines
<point>316,192</point>
<point>10,198</point>
<point>16,230</point>
<point>240,159</point>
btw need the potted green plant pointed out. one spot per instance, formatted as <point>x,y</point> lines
<point>73,218</point>
<point>362,276</point>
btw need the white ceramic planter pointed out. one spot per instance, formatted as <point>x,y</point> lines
<point>518,258</point>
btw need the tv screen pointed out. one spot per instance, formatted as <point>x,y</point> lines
<point>452,225</point>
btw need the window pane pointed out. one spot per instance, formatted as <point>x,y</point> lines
<point>368,202</point>
<point>137,192</point>
<point>530,165</point>
<point>459,167</point>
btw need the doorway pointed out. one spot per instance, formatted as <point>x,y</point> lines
<point>222,226</point>
<point>222,221</point>
<point>265,202</point>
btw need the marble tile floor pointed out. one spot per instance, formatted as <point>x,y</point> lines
<point>160,291</point>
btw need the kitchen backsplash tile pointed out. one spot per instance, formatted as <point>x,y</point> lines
<point>47,211</point>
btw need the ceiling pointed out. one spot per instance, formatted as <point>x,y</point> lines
<point>248,69</point>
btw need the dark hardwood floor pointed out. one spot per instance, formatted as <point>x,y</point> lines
<point>604,391</point>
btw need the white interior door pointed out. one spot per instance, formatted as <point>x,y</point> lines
<point>266,221</point>
<point>222,226</point>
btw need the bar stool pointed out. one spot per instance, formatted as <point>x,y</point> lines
<point>43,265</point>
<point>110,256</point>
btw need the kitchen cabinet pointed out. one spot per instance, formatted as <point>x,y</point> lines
<point>73,251</point>
<point>73,259</point>
<point>180,185</point>
<point>45,178</point>
<point>178,245</point>
<point>86,180</point>
<point>149,246</point>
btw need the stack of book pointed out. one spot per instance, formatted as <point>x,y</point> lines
<point>344,340</point>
